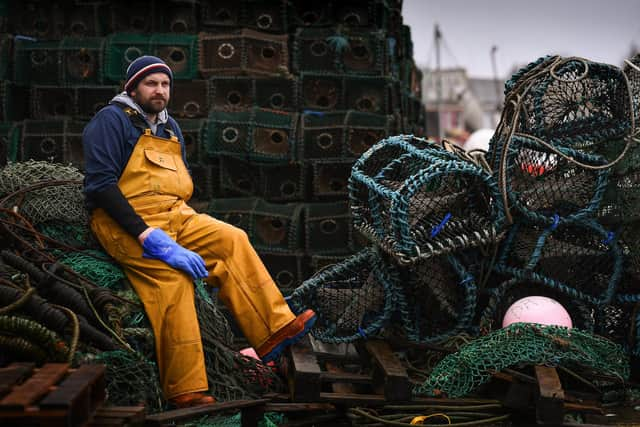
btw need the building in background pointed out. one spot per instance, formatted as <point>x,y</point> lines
<point>461,102</point>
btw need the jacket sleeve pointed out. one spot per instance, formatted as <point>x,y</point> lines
<point>106,154</point>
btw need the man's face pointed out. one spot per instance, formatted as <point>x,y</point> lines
<point>152,93</point>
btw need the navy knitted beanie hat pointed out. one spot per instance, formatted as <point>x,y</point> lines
<point>141,67</point>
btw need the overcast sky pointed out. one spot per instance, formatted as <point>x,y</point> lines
<point>522,30</point>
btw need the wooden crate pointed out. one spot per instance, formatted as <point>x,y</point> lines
<point>57,395</point>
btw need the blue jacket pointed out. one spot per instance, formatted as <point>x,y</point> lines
<point>108,141</point>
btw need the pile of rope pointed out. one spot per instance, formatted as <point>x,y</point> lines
<point>62,298</point>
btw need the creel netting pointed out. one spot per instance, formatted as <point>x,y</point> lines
<point>460,373</point>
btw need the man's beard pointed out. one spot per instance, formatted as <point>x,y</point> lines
<point>150,106</point>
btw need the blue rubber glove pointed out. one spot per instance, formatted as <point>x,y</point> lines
<point>158,245</point>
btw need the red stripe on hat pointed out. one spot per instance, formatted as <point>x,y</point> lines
<point>145,69</point>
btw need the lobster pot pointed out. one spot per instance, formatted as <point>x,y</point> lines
<point>545,187</point>
<point>85,20</point>
<point>353,300</point>
<point>363,14</point>
<point>378,95</point>
<point>513,288</point>
<point>582,259</point>
<point>78,101</point>
<point>134,16</point>
<point>328,229</point>
<point>51,101</point>
<point>91,99</point>
<point>330,178</point>
<point>288,269</point>
<point>633,75</point>
<point>265,15</point>
<point>81,60</point>
<point>204,181</point>
<point>270,226</point>
<point>629,240</point>
<point>37,62</point>
<point>6,49</point>
<point>568,103</point>
<point>37,19</point>
<point>438,299</point>
<point>14,101</point>
<point>331,51</point>
<point>220,15</point>
<point>193,131</point>
<point>177,16</point>
<point>58,141</point>
<point>405,45</point>
<point>417,200</point>
<point>279,183</point>
<point>310,14</point>
<point>415,111</point>
<point>411,77</point>
<point>341,135</point>
<point>9,142</point>
<point>178,51</point>
<point>260,135</point>
<point>189,99</point>
<point>233,93</point>
<point>244,52</point>
<point>322,92</point>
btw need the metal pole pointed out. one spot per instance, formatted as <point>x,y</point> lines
<point>438,81</point>
<point>494,49</point>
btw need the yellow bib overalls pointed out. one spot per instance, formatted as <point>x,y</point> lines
<point>157,185</point>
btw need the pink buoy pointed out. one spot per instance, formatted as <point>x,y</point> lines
<point>537,309</point>
<point>250,352</point>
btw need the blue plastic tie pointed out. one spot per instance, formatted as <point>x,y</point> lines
<point>556,221</point>
<point>361,332</point>
<point>313,112</point>
<point>438,228</point>
<point>466,280</point>
<point>27,38</point>
<point>610,236</point>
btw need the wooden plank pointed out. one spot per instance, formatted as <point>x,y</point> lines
<point>303,373</point>
<point>344,377</point>
<point>397,386</point>
<point>14,374</point>
<point>35,387</point>
<point>298,407</point>
<point>352,399</point>
<point>118,415</point>
<point>550,404</point>
<point>175,415</point>
<point>340,384</point>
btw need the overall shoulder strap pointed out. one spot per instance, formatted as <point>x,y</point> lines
<point>136,118</point>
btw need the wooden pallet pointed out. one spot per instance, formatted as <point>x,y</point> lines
<point>316,373</point>
<point>56,395</point>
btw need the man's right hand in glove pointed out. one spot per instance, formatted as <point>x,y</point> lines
<point>158,245</point>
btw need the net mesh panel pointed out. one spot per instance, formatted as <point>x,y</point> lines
<point>439,298</point>
<point>36,61</point>
<point>131,379</point>
<point>513,289</point>
<point>288,269</point>
<point>541,184</point>
<point>62,202</point>
<point>582,258</point>
<point>416,200</point>
<point>269,419</point>
<point>270,226</point>
<point>353,299</point>
<point>231,375</point>
<point>460,373</point>
<point>256,135</point>
<point>97,266</point>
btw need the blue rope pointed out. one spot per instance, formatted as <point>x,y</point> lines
<point>609,238</point>
<point>438,228</point>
